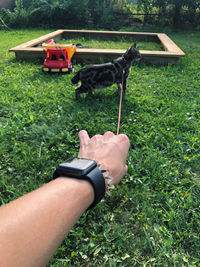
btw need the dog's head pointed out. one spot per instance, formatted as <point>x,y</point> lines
<point>132,54</point>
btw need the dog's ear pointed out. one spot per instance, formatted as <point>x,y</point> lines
<point>134,45</point>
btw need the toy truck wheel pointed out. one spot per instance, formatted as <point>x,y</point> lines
<point>45,69</point>
<point>64,70</point>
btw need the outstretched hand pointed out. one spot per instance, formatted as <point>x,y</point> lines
<point>109,149</point>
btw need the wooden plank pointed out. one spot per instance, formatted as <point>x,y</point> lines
<point>95,55</point>
<point>105,55</point>
<point>87,57</point>
<point>90,55</point>
<point>119,52</point>
<point>112,35</point>
<point>93,51</point>
<point>38,40</point>
<point>169,45</point>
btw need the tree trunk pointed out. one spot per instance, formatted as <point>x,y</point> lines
<point>176,16</point>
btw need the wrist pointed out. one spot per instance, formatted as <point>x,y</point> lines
<point>83,169</point>
<point>81,190</point>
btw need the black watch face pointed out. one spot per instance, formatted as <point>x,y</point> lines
<point>77,167</point>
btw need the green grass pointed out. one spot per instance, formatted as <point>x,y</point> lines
<point>152,217</point>
<point>114,44</point>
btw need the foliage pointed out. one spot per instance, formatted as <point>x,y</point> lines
<point>108,14</point>
<point>20,17</point>
<point>177,13</point>
<point>152,217</point>
<point>65,13</point>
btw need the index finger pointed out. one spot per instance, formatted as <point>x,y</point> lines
<point>84,140</point>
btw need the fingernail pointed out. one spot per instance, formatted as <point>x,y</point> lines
<point>124,138</point>
<point>81,131</point>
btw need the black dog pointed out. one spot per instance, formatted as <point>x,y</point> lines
<point>104,75</point>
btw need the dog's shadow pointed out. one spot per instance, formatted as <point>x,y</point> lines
<point>104,103</point>
<point>100,98</point>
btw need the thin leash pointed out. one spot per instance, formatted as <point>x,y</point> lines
<point>120,103</point>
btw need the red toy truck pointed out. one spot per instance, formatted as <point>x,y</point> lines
<point>58,58</point>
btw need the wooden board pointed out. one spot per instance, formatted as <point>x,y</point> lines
<point>171,54</point>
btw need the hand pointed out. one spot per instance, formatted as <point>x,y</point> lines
<point>109,149</point>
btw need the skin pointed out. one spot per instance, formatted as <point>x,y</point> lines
<point>33,226</point>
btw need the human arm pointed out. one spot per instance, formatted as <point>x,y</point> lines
<point>33,226</point>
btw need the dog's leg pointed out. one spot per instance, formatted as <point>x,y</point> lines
<point>124,86</point>
<point>82,89</point>
<point>90,87</point>
<point>79,90</point>
<point>90,93</point>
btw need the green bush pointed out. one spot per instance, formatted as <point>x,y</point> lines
<point>65,13</point>
<point>108,14</point>
<point>174,13</point>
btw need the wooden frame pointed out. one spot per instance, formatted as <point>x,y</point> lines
<point>171,53</point>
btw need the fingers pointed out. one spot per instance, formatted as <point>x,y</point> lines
<point>108,135</point>
<point>84,140</point>
<point>124,144</point>
<point>96,138</point>
<point>109,149</point>
<point>122,141</point>
<point>92,147</point>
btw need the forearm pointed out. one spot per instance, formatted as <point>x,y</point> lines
<point>33,226</point>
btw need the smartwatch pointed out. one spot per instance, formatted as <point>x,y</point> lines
<point>84,169</point>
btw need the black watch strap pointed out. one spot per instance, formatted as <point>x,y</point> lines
<point>96,178</point>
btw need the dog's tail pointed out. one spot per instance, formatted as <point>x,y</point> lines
<point>76,78</point>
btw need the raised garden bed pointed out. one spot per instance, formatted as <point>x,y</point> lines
<point>171,53</point>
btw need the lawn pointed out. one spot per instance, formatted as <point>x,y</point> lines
<point>152,217</point>
<point>115,44</point>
